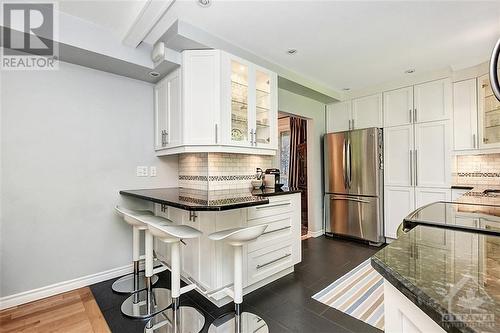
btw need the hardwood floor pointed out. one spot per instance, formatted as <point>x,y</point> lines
<point>74,311</point>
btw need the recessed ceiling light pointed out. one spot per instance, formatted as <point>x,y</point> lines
<point>291,51</point>
<point>346,89</point>
<point>154,74</point>
<point>204,3</point>
<point>410,71</point>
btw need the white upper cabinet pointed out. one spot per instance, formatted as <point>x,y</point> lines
<point>398,156</point>
<point>432,101</point>
<point>489,115</point>
<point>168,121</point>
<point>398,107</point>
<point>432,154</point>
<point>465,115</point>
<point>338,117</point>
<point>201,96</point>
<point>227,104</point>
<point>367,112</point>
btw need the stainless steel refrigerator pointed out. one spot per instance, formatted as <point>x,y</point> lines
<point>354,184</point>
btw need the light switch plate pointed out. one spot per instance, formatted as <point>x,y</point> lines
<point>142,171</point>
<point>152,171</point>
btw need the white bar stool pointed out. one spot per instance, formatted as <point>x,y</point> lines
<point>178,319</point>
<point>135,281</point>
<point>148,302</point>
<point>239,321</point>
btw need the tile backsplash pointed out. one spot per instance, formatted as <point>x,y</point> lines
<point>220,171</point>
<point>477,169</point>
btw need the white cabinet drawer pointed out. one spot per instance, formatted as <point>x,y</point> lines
<point>268,261</point>
<point>280,229</point>
<point>274,207</point>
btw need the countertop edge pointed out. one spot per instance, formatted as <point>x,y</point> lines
<point>419,298</point>
<point>197,209</point>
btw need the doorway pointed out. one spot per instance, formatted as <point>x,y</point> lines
<point>292,159</point>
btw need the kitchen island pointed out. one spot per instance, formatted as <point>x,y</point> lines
<point>443,274</point>
<point>209,264</point>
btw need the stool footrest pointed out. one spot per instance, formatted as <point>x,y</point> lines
<point>188,288</point>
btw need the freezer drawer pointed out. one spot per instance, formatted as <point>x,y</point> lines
<point>354,216</point>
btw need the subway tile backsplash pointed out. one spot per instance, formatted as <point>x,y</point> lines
<point>477,169</point>
<point>220,171</point>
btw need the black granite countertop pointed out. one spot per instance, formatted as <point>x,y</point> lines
<point>453,276</point>
<point>483,218</point>
<point>200,200</point>
<point>271,192</point>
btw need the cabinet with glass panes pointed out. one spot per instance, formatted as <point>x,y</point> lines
<point>489,115</point>
<point>253,92</point>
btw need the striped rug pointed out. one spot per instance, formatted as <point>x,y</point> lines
<point>359,293</point>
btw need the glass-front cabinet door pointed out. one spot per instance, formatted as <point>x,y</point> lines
<point>489,115</point>
<point>265,118</point>
<point>250,95</point>
<point>240,114</point>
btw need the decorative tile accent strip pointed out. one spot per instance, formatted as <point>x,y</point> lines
<point>479,174</point>
<point>225,178</point>
<point>202,178</point>
<point>218,202</point>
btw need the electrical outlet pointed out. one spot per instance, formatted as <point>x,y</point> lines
<point>152,171</point>
<point>142,171</point>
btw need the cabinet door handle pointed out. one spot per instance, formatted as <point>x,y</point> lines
<point>280,229</point>
<point>416,168</point>
<point>272,206</point>
<point>349,124</point>
<point>216,133</point>
<point>474,140</point>
<point>353,124</point>
<point>411,168</point>
<point>411,120</point>
<point>273,261</point>
<point>415,115</point>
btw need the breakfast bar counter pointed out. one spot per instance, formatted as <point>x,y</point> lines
<point>208,263</point>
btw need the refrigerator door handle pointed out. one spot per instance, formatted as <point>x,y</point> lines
<point>349,199</point>
<point>344,162</point>
<point>349,167</point>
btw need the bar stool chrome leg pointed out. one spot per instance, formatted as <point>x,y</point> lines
<point>148,302</point>
<point>177,319</point>
<point>135,281</point>
<point>238,321</point>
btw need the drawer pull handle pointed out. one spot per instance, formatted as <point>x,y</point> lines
<point>272,206</point>
<point>273,261</point>
<point>280,229</point>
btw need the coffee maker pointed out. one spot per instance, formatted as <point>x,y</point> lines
<point>272,173</point>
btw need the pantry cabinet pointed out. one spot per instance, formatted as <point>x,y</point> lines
<point>465,115</point>
<point>432,154</point>
<point>226,104</point>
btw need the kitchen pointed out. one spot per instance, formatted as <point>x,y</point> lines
<point>172,119</point>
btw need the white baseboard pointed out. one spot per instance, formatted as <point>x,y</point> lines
<point>61,287</point>
<point>316,233</point>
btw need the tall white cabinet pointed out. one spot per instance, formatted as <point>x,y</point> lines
<point>417,149</point>
<point>216,102</point>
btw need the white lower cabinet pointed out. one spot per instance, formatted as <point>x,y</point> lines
<point>403,316</point>
<point>398,203</point>
<point>272,255</point>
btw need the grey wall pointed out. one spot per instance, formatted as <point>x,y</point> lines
<point>70,140</point>
<point>302,106</point>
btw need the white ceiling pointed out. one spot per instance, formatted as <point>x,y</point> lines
<point>340,44</point>
<point>114,15</point>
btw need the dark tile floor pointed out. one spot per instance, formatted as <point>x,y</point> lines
<point>286,304</point>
